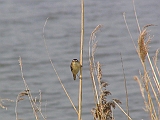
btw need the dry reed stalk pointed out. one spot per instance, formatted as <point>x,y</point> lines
<point>92,48</point>
<point>103,107</point>
<point>150,86</point>
<point>122,110</point>
<point>27,92</point>
<point>125,85</point>
<point>63,87</point>
<point>143,52</point>
<point>155,59</point>
<point>99,76</point>
<point>81,61</point>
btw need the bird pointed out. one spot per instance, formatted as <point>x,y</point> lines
<point>75,66</point>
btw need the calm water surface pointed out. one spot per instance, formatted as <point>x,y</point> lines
<point>21,24</point>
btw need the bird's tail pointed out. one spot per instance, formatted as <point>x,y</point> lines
<point>74,77</point>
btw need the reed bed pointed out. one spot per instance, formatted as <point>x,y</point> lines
<point>148,80</point>
<point>149,83</point>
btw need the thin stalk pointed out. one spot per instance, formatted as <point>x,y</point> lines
<point>125,84</point>
<point>81,60</point>
<point>55,68</point>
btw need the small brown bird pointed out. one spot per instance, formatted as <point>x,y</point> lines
<point>75,66</point>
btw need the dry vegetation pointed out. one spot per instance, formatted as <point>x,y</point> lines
<point>103,107</point>
<point>149,85</point>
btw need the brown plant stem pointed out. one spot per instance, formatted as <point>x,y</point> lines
<point>81,60</point>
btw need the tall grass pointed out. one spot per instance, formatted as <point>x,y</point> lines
<point>103,107</point>
<point>149,85</point>
<point>149,79</point>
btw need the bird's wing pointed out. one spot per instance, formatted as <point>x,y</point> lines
<point>71,67</point>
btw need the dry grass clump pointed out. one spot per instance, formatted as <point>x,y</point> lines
<point>149,85</point>
<point>103,107</point>
<point>103,110</point>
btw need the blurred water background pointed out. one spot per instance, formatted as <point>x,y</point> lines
<point>21,25</point>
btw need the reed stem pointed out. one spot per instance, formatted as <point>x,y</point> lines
<point>81,60</point>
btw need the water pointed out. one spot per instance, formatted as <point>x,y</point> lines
<point>21,35</point>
